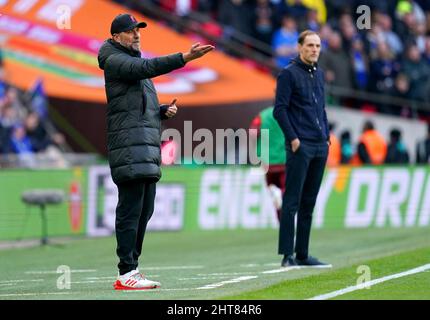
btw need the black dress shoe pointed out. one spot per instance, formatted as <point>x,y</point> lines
<point>310,261</point>
<point>288,261</point>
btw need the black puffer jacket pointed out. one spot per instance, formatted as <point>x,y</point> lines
<point>134,114</point>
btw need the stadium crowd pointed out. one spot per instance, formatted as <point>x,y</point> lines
<point>24,128</point>
<point>390,58</point>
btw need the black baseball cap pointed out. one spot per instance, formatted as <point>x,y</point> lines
<point>125,22</point>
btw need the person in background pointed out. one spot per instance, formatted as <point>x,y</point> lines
<point>275,175</point>
<point>334,152</point>
<point>396,150</point>
<point>347,150</point>
<point>372,148</point>
<point>423,149</point>
<point>284,42</point>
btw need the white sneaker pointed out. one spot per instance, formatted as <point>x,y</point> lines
<point>276,195</point>
<point>134,280</point>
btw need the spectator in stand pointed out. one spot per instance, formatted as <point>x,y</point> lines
<point>401,89</point>
<point>325,33</point>
<point>38,135</point>
<point>235,15</point>
<point>335,62</point>
<point>423,149</point>
<point>264,21</point>
<point>348,31</point>
<point>180,7</point>
<point>19,141</point>
<point>426,54</point>
<point>392,39</point>
<point>405,7</point>
<point>13,100</point>
<point>10,117</point>
<point>294,8</point>
<point>360,64</point>
<point>4,137</point>
<point>372,148</point>
<point>285,42</point>
<point>404,27</point>
<point>383,69</point>
<point>424,4</point>
<point>419,36</point>
<point>396,150</point>
<point>209,7</point>
<point>346,148</point>
<point>417,70</point>
<point>312,21</point>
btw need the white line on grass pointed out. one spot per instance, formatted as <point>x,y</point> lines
<point>371,283</point>
<point>114,278</point>
<point>225,274</point>
<point>220,284</point>
<point>203,278</point>
<point>283,269</point>
<point>21,280</point>
<point>156,290</point>
<point>54,271</point>
<point>172,267</point>
<point>33,294</point>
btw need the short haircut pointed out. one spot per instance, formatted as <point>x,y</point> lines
<point>304,34</point>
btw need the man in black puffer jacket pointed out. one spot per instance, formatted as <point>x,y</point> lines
<point>134,136</point>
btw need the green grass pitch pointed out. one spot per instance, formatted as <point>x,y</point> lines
<point>230,264</point>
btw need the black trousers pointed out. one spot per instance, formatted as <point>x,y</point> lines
<point>304,173</point>
<point>134,209</point>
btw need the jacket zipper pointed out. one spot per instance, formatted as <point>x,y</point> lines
<point>316,102</point>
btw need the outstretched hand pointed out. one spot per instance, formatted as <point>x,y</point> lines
<point>197,51</point>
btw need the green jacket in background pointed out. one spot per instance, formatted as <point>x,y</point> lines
<point>277,153</point>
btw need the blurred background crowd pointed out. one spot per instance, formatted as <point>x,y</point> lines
<point>392,57</point>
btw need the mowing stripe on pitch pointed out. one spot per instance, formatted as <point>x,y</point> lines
<point>371,283</point>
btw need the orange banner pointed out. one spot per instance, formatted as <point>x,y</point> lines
<point>58,40</point>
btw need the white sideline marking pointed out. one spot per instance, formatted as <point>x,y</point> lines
<point>20,280</point>
<point>172,267</point>
<point>220,284</point>
<point>371,283</point>
<point>32,294</point>
<point>225,274</point>
<point>157,290</point>
<point>203,278</point>
<point>100,278</point>
<point>55,271</point>
<point>114,278</point>
<point>283,269</point>
<point>91,281</point>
